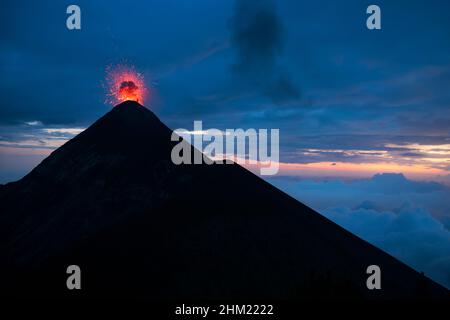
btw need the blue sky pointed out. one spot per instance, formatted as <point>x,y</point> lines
<point>349,102</point>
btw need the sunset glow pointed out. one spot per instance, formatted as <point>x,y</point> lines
<point>351,170</point>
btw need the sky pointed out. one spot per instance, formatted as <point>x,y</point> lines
<point>350,103</point>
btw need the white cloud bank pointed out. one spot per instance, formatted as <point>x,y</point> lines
<point>408,219</point>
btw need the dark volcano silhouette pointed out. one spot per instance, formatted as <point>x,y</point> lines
<point>111,201</point>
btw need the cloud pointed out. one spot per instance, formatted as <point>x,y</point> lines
<point>283,89</point>
<point>389,191</point>
<point>410,234</point>
<point>36,137</point>
<point>434,154</point>
<point>23,147</point>
<point>33,123</point>
<point>64,131</point>
<point>257,37</point>
<point>408,219</point>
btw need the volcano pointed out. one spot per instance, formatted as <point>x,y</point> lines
<point>112,202</point>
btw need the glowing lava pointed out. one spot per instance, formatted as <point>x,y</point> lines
<point>125,83</point>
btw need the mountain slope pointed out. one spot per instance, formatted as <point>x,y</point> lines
<point>111,201</point>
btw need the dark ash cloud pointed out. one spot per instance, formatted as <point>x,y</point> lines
<point>257,36</point>
<point>128,85</point>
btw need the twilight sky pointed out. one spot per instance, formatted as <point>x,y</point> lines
<point>349,102</point>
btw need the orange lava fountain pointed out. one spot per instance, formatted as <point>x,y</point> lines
<point>125,83</point>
